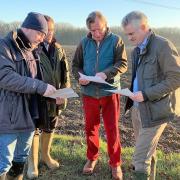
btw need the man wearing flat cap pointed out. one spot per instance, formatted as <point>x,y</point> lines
<point>19,90</point>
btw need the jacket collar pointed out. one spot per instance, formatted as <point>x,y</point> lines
<point>20,40</point>
<point>148,41</point>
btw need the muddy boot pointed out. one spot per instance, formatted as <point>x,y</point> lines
<point>32,169</point>
<point>153,168</point>
<point>3,176</point>
<point>16,171</point>
<point>46,141</point>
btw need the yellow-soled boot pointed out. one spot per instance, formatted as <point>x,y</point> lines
<point>46,141</point>
<point>32,171</point>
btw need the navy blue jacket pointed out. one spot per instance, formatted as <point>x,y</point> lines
<point>15,87</point>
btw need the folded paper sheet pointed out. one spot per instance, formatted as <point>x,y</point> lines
<point>64,93</point>
<point>125,92</point>
<point>94,79</point>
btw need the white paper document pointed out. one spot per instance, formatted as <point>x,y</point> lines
<point>125,92</point>
<point>64,93</point>
<point>94,79</point>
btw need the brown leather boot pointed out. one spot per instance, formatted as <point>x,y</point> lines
<point>32,169</point>
<point>46,141</point>
<point>89,167</point>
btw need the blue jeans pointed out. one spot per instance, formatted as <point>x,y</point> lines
<point>14,147</point>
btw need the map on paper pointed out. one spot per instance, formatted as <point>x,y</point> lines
<point>125,92</point>
<point>93,79</point>
<point>64,93</point>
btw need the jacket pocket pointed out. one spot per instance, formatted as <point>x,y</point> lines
<point>161,109</point>
<point>12,104</point>
<point>150,68</point>
<point>151,73</point>
<point>6,110</point>
<point>89,66</point>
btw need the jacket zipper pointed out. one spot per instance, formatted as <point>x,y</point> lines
<point>10,113</point>
<point>97,57</point>
<point>96,68</point>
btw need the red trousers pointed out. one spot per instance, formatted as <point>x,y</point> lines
<point>109,107</point>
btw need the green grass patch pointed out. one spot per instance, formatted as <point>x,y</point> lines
<point>71,153</point>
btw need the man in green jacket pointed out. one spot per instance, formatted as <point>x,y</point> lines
<point>156,88</point>
<point>55,71</point>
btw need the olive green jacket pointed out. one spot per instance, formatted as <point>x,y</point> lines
<point>55,71</point>
<point>158,76</point>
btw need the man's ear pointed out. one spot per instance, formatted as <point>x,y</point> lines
<point>143,27</point>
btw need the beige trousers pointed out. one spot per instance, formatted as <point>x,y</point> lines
<point>144,157</point>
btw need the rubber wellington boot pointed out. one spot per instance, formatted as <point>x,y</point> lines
<point>32,170</point>
<point>46,141</point>
<point>3,177</point>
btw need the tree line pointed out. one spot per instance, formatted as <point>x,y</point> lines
<point>67,34</point>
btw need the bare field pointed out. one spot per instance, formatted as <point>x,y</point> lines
<point>72,122</point>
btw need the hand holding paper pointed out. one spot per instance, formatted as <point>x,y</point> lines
<point>137,96</point>
<point>50,90</point>
<point>63,93</point>
<point>60,101</point>
<point>83,81</point>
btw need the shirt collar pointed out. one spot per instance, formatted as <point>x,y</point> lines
<point>144,43</point>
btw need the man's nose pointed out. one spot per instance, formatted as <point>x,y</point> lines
<point>129,38</point>
<point>97,33</point>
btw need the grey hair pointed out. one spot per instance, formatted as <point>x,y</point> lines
<point>135,18</point>
<point>92,16</point>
